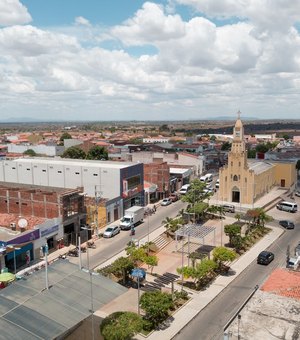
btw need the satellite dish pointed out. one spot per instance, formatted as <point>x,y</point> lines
<point>22,223</point>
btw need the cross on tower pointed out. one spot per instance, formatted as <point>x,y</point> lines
<point>239,114</point>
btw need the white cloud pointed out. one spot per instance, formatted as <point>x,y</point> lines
<point>12,12</point>
<point>276,15</point>
<point>82,21</point>
<point>199,68</point>
<point>149,24</point>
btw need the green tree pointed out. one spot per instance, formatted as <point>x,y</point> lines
<point>286,137</point>
<point>64,136</point>
<point>226,146</point>
<point>195,193</point>
<point>251,153</point>
<point>231,230</point>
<point>74,152</point>
<point>156,306</point>
<point>122,267</point>
<point>223,254</point>
<point>97,153</point>
<point>151,261</point>
<point>164,127</point>
<point>121,326</point>
<point>29,152</point>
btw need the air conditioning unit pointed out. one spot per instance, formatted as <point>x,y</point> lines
<point>13,226</point>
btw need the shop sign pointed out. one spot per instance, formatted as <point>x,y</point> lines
<point>48,231</point>
<point>27,237</point>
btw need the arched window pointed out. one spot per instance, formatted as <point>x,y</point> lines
<point>239,163</point>
<point>235,177</point>
<point>231,163</point>
<point>225,178</point>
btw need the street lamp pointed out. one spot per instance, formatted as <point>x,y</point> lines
<point>91,276</point>
<point>12,246</point>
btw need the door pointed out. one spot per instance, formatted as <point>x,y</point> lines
<point>116,214</point>
<point>236,196</point>
<point>282,183</point>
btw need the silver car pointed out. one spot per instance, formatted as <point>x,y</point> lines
<point>111,231</point>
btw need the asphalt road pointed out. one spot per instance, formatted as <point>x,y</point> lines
<point>107,248</point>
<point>209,323</point>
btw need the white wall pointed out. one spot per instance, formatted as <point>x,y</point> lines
<point>42,149</point>
<point>63,175</point>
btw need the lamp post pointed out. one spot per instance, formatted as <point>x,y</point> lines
<point>44,249</point>
<point>91,278</point>
<point>11,246</point>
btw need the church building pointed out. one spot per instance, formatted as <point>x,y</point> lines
<point>244,180</point>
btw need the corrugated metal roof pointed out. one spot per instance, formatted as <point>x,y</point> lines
<point>259,167</point>
<point>28,311</point>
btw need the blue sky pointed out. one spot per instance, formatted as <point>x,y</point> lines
<point>149,60</point>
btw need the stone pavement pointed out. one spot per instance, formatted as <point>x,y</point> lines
<point>169,260</point>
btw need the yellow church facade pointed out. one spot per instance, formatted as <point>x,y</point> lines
<point>244,181</point>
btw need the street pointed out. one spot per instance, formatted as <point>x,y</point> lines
<point>209,323</point>
<point>107,248</point>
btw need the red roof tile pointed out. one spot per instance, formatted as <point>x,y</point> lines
<point>283,282</point>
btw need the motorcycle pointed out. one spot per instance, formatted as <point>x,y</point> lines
<point>91,244</point>
<point>73,253</point>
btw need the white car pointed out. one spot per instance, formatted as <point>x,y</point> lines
<point>166,201</point>
<point>111,231</point>
<point>297,193</point>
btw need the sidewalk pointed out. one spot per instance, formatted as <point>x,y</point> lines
<point>201,300</point>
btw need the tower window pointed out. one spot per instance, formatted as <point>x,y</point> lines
<point>239,163</point>
<point>235,177</point>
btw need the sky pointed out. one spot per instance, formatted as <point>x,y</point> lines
<point>109,60</point>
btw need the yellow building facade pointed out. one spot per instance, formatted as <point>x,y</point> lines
<point>244,181</point>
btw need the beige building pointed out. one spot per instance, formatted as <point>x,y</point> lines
<point>244,181</point>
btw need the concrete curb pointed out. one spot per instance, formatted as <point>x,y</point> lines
<point>200,301</point>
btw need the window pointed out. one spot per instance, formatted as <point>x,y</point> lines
<point>235,177</point>
<point>245,180</point>
<point>44,170</point>
<point>77,173</point>
<point>231,163</point>
<point>13,168</point>
<point>59,171</point>
<point>28,169</point>
<point>239,163</point>
<point>133,182</point>
<point>95,174</point>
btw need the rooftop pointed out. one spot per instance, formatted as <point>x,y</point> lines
<point>259,166</point>
<point>29,311</point>
<point>77,162</point>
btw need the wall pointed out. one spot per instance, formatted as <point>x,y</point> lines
<point>286,171</point>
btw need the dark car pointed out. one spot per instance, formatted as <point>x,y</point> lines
<point>265,257</point>
<point>228,208</point>
<point>287,224</point>
<point>174,197</point>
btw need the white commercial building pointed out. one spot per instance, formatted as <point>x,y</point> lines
<point>41,149</point>
<point>120,182</point>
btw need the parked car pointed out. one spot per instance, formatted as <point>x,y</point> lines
<point>166,201</point>
<point>174,197</point>
<point>287,224</point>
<point>297,193</point>
<point>265,257</point>
<point>228,208</point>
<point>111,231</point>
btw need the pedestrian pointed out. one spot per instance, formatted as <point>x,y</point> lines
<point>154,208</point>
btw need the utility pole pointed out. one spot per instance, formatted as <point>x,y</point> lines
<point>97,200</point>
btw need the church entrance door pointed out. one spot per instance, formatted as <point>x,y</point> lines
<point>236,196</point>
